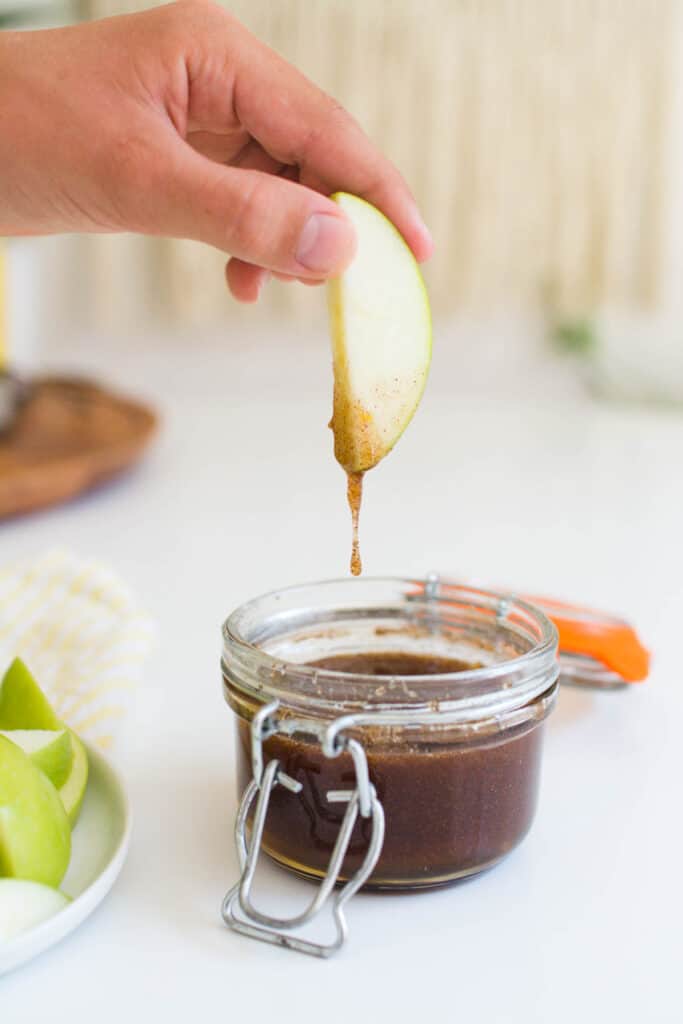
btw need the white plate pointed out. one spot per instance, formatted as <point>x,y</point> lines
<point>99,847</point>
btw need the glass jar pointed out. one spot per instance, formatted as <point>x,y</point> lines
<point>453,758</point>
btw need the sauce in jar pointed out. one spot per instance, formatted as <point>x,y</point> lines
<point>452,808</point>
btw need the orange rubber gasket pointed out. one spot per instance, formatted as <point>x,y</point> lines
<point>610,641</point>
<point>606,639</point>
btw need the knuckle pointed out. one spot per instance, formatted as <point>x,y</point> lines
<point>334,119</point>
<point>338,119</point>
<point>196,12</point>
<point>338,114</point>
<point>190,26</point>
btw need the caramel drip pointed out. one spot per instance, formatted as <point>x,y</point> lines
<point>354,494</point>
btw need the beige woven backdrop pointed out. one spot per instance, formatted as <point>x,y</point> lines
<point>535,135</point>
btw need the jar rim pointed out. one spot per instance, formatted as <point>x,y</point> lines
<point>474,693</point>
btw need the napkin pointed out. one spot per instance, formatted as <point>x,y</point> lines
<point>83,635</point>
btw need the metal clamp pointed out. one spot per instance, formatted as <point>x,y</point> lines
<point>361,800</point>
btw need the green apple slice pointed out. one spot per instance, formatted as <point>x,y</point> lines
<point>25,904</point>
<point>381,340</point>
<point>50,750</point>
<point>23,705</point>
<point>35,836</point>
<point>73,790</point>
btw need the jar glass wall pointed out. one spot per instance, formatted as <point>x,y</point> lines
<point>454,756</point>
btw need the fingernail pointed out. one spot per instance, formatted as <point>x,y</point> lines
<point>325,243</point>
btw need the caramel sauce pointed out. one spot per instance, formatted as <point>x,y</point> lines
<point>356,443</point>
<point>394,663</point>
<point>354,494</point>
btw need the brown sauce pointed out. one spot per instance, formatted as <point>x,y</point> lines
<point>393,663</point>
<point>454,804</point>
<point>354,494</point>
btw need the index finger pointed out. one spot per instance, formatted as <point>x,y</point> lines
<point>298,123</point>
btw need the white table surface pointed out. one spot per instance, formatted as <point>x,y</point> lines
<point>508,475</point>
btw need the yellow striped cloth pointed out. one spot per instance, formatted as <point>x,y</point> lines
<point>81,632</point>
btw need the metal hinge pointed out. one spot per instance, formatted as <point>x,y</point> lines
<point>360,800</point>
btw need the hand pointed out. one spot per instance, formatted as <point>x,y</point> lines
<point>178,122</point>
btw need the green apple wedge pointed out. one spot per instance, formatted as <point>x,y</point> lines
<point>381,330</point>
<point>25,904</point>
<point>35,836</point>
<point>23,705</point>
<point>72,791</point>
<point>50,750</point>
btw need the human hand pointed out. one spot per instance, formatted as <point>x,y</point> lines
<point>178,122</point>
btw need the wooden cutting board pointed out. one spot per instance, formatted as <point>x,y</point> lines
<point>68,436</point>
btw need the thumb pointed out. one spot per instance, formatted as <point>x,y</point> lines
<point>257,217</point>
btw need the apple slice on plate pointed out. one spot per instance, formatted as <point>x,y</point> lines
<point>25,904</point>
<point>24,707</point>
<point>35,837</point>
<point>50,750</point>
<point>72,791</point>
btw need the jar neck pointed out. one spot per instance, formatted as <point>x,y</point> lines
<point>269,644</point>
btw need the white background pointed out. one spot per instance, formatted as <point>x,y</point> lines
<point>508,475</point>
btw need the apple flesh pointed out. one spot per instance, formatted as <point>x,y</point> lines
<point>381,340</point>
<point>51,751</point>
<point>24,904</point>
<point>72,792</point>
<point>35,835</point>
<point>23,705</point>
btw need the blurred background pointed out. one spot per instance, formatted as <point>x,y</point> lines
<point>544,142</point>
